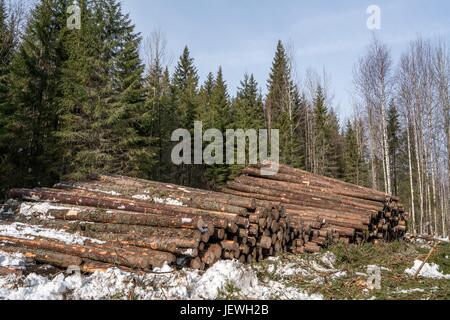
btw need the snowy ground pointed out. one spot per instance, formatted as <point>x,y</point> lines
<point>431,271</point>
<point>341,273</point>
<point>303,277</point>
<point>25,231</point>
<point>226,277</point>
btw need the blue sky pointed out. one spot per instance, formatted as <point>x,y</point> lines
<point>241,35</point>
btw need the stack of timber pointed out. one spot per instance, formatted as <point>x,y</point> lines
<point>144,224</point>
<point>322,210</point>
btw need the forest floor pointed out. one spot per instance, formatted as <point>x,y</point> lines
<point>347,275</point>
<point>338,274</point>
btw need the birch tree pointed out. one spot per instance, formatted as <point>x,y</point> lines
<point>373,80</point>
<point>441,64</point>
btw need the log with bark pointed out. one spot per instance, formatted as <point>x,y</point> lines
<point>322,210</point>
<point>144,223</point>
<point>199,226</point>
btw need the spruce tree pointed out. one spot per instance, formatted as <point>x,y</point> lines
<point>167,127</point>
<point>321,132</point>
<point>6,50</point>
<point>303,113</point>
<point>355,166</point>
<point>185,98</point>
<point>278,86</point>
<point>248,112</point>
<point>185,90</point>
<point>156,120</point>
<point>248,105</point>
<point>6,53</point>
<point>282,106</point>
<point>206,112</point>
<point>221,103</point>
<point>36,75</point>
<point>221,120</point>
<point>3,19</point>
<point>393,129</point>
<point>334,155</point>
<point>103,96</point>
<point>84,83</point>
<point>351,155</point>
<point>131,148</point>
<point>327,144</point>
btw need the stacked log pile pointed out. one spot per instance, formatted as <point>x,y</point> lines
<point>324,210</point>
<point>137,224</point>
<point>144,224</point>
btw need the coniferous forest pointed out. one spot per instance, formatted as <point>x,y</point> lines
<point>104,99</point>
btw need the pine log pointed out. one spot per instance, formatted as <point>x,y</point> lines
<point>212,255</point>
<point>93,200</point>
<point>312,247</point>
<point>296,188</point>
<point>55,259</point>
<point>134,230</point>
<point>197,264</point>
<point>131,218</point>
<point>125,184</point>
<point>299,199</point>
<point>108,254</point>
<point>289,174</point>
<point>178,246</point>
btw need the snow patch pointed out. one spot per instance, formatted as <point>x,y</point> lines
<point>15,260</point>
<point>142,197</point>
<point>187,252</point>
<point>329,260</point>
<point>410,291</point>
<point>162,284</point>
<point>168,201</point>
<point>222,273</point>
<point>41,209</point>
<point>284,270</point>
<point>24,231</point>
<point>111,193</point>
<point>34,287</point>
<point>431,271</point>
